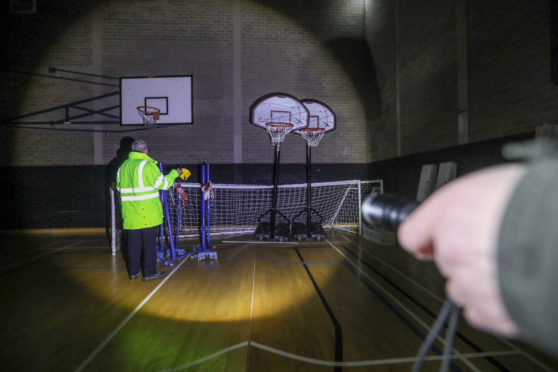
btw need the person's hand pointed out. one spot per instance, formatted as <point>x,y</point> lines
<point>178,170</point>
<point>458,227</point>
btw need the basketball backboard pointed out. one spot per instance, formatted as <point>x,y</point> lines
<point>172,95</point>
<point>321,116</point>
<point>277,108</point>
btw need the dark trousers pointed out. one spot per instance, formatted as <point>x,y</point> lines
<point>142,255</point>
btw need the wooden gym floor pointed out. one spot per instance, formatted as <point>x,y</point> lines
<point>68,305</point>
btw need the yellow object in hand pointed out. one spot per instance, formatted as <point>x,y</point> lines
<point>184,174</point>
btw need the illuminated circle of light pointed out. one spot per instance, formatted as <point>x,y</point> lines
<point>280,296</point>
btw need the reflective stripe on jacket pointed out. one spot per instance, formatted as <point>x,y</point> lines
<point>139,180</point>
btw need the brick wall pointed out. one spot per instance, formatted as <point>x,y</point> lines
<point>344,53</point>
<point>308,49</point>
<point>348,54</point>
<point>508,49</point>
<point>510,85</point>
<point>380,35</point>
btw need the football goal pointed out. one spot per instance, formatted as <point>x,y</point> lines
<point>236,209</point>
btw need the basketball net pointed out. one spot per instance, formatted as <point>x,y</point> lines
<point>149,115</point>
<point>312,135</point>
<point>278,131</point>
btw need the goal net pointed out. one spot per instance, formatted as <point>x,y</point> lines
<point>236,209</point>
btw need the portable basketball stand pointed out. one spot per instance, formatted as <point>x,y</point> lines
<point>205,250</point>
<point>173,252</point>
<point>310,230</point>
<point>279,114</point>
<point>270,230</point>
<point>322,120</point>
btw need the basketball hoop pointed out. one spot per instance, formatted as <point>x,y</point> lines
<point>149,115</point>
<point>278,131</point>
<point>312,135</point>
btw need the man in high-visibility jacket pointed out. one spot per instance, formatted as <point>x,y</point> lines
<point>139,180</point>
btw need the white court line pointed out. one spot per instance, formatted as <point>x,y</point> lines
<point>57,249</point>
<point>255,242</point>
<point>209,357</point>
<point>413,282</point>
<point>252,300</point>
<point>376,362</point>
<point>126,320</point>
<point>401,306</point>
<point>251,313</point>
<point>360,363</point>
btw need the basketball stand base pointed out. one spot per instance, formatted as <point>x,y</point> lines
<point>300,232</point>
<point>282,232</point>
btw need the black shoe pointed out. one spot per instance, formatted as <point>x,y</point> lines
<point>157,275</point>
<point>135,276</point>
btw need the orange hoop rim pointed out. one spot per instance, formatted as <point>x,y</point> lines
<point>310,130</point>
<point>279,125</point>
<point>143,110</point>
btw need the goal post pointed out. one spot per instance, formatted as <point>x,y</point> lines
<point>235,209</point>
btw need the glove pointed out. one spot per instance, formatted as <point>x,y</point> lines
<point>180,191</point>
<point>184,174</point>
<point>207,191</point>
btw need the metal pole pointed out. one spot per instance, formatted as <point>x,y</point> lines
<point>203,246</point>
<point>308,191</point>
<point>112,222</point>
<point>178,216</point>
<point>360,208</point>
<point>207,212</point>
<point>167,216</point>
<point>275,186</point>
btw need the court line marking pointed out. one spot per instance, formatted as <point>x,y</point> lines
<point>366,362</point>
<point>503,340</point>
<point>265,258</point>
<point>209,357</point>
<point>283,353</point>
<point>404,293</point>
<point>407,278</point>
<point>328,363</point>
<point>338,330</point>
<point>251,314</point>
<point>401,305</point>
<point>255,242</point>
<point>126,320</point>
<point>253,287</point>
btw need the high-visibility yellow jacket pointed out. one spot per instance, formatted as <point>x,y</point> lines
<point>139,180</point>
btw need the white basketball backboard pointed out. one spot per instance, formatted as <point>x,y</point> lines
<point>172,95</point>
<point>278,108</point>
<point>321,116</point>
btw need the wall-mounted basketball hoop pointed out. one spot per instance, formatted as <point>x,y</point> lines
<point>149,115</point>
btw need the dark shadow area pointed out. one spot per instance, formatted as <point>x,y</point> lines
<point>402,175</point>
<point>355,57</point>
<point>31,35</point>
<point>352,53</point>
<point>110,179</point>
